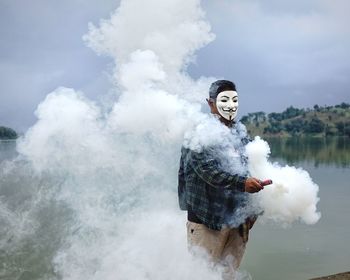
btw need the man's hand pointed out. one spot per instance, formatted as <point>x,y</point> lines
<point>252,185</point>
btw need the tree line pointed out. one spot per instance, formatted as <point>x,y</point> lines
<point>7,133</point>
<point>330,120</point>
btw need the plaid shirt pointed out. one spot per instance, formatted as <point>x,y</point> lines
<point>211,193</point>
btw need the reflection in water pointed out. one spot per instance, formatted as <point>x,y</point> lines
<point>327,150</point>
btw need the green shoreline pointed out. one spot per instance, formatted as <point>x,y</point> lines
<point>317,122</point>
<point>7,133</point>
<point>338,276</point>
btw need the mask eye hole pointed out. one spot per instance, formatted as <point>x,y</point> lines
<point>223,99</point>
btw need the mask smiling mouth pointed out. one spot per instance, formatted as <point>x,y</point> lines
<point>230,110</point>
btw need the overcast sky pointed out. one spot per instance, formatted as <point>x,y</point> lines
<point>279,53</point>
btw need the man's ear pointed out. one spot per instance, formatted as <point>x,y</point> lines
<point>211,104</point>
<point>210,101</point>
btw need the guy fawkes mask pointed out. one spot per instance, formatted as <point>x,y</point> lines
<point>227,104</point>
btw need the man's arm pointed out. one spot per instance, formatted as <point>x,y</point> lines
<point>207,168</point>
<point>181,185</point>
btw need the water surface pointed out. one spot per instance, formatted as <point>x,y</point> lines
<point>34,224</point>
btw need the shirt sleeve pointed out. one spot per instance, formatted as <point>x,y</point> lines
<point>207,168</point>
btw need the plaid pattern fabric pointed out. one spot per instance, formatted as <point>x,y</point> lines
<point>210,192</point>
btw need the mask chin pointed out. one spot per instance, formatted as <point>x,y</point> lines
<point>228,116</point>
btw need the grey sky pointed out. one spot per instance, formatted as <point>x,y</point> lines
<point>279,53</point>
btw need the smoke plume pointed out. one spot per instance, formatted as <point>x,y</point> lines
<point>293,194</point>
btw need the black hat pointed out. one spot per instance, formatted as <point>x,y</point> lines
<point>219,86</point>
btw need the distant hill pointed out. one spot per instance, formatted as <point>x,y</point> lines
<point>317,122</point>
<point>7,133</point>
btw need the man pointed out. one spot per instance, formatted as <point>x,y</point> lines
<point>214,198</point>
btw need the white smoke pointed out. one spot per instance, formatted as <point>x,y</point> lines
<point>173,30</point>
<point>68,126</point>
<point>293,194</point>
<point>223,142</point>
<point>119,168</point>
<point>116,171</point>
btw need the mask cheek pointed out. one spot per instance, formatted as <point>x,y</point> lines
<point>221,109</point>
<point>219,106</point>
<point>223,113</point>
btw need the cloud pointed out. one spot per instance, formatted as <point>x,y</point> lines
<point>277,49</point>
<point>41,49</point>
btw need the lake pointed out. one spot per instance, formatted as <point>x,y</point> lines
<point>298,252</point>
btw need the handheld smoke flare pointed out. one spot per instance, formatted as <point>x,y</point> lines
<point>266,182</point>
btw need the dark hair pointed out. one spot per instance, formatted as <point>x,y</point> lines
<point>219,86</point>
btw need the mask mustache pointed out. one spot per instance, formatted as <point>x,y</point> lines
<point>231,110</point>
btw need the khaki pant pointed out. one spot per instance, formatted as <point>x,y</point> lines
<point>225,247</point>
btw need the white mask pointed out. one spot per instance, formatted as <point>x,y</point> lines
<point>227,104</point>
